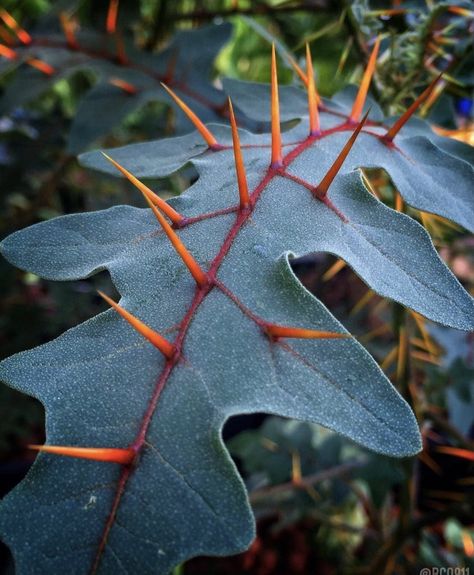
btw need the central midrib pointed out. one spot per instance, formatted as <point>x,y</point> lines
<point>200,294</point>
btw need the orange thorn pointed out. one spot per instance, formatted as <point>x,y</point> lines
<point>173,215</point>
<point>322,188</point>
<point>393,131</point>
<point>336,267</point>
<point>41,66</point>
<point>109,455</point>
<point>111,21</point>
<point>68,29</point>
<point>201,128</point>
<point>189,261</point>
<point>276,331</point>
<point>166,348</point>
<point>298,70</point>
<point>123,85</point>
<point>364,85</point>
<point>467,543</point>
<point>314,127</point>
<point>21,34</point>
<point>461,11</point>
<point>7,52</point>
<point>239,163</point>
<point>456,452</point>
<point>276,134</point>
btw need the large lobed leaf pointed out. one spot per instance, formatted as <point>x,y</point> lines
<point>184,496</point>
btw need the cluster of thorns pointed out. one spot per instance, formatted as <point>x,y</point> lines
<point>206,280</point>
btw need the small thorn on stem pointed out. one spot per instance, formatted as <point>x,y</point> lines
<point>166,348</point>
<point>7,52</point>
<point>42,66</point>
<point>108,455</point>
<point>322,188</point>
<point>364,85</point>
<point>239,163</point>
<point>199,125</point>
<point>21,34</point>
<point>314,127</point>
<point>69,32</point>
<point>200,277</point>
<point>398,125</point>
<point>123,85</point>
<point>276,331</point>
<point>172,214</point>
<point>112,13</point>
<point>277,161</point>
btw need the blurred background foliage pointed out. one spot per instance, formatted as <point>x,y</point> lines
<point>323,504</point>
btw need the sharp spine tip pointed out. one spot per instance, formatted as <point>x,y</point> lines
<point>276,161</point>
<point>365,83</point>
<point>314,127</point>
<point>108,455</point>
<point>166,348</point>
<point>199,125</point>
<point>322,188</point>
<point>172,214</point>
<point>276,331</point>
<point>403,119</point>
<point>239,163</point>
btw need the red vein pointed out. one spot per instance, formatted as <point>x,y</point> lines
<point>200,293</point>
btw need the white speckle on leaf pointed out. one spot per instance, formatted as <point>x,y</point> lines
<point>91,503</point>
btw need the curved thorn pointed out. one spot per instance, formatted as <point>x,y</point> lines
<point>314,127</point>
<point>7,52</point>
<point>201,128</point>
<point>364,85</point>
<point>189,261</point>
<point>276,331</point>
<point>41,66</point>
<point>239,163</point>
<point>275,113</point>
<point>173,215</point>
<point>166,348</point>
<point>398,125</point>
<point>21,34</point>
<point>68,30</point>
<point>323,186</point>
<point>109,455</point>
<point>111,21</point>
